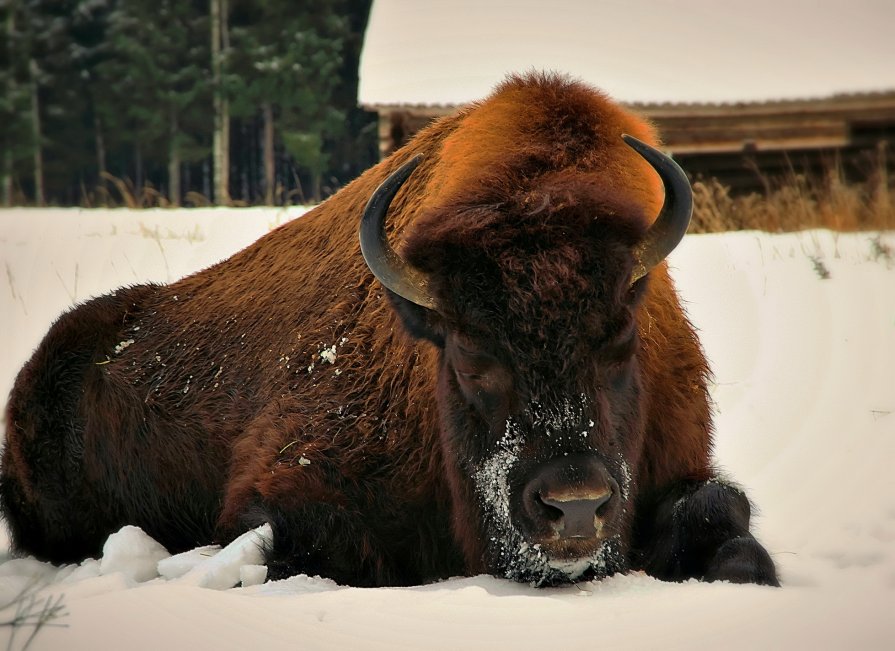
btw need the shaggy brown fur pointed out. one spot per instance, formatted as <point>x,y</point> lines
<point>281,385</point>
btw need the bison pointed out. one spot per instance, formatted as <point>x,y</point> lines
<point>496,377</point>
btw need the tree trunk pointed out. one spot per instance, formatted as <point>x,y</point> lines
<point>174,177</point>
<point>100,144</point>
<point>173,163</point>
<point>225,103</point>
<point>7,178</point>
<point>269,165</point>
<point>316,182</point>
<point>36,134</point>
<point>221,139</point>
<point>138,168</point>
<point>10,94</point>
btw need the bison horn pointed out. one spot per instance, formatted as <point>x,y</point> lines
<point>674,218</point>
<point>390,268</point>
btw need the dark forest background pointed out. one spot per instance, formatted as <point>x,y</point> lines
<point>181,102</point>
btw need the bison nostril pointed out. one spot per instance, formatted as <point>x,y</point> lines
<point>577,515</point>
<point>549,511</point>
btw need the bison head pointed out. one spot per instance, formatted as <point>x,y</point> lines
<point>532,298</point>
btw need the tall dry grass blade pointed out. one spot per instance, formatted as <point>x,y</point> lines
<point>126,191</point>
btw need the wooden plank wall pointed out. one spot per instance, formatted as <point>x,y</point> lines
<point>745,145</point>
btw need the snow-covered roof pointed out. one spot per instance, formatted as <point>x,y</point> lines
<point>647,51</point>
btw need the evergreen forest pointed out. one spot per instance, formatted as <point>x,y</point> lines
<point>181,102</point>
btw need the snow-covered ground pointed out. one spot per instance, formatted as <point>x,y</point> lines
<point>805,392</point>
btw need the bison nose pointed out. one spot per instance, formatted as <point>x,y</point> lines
<point>579,515</point>
<point>569,497</point>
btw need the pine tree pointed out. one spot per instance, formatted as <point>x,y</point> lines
<point>21,108</point>
<point>285,65</point>
<point>125,87</point>
<point>66,43</point>
<point>15,104</point>
<point>158,83</point>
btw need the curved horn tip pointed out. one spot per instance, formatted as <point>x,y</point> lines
<point>405,169</point>
<point>644,149</point>
<point>385,263</point>
<point>674,218</point>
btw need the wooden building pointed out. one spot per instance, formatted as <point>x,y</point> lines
<point>742,144</point>
<point>741,92</point>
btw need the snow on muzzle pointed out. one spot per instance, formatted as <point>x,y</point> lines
<point>555,517</point>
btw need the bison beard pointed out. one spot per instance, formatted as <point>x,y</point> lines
<point>513,389</point>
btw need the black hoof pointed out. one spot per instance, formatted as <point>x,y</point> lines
<point>742,560</point>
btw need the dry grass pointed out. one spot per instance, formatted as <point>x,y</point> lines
<point>793,203</point>
<point>115,192</point>
<point>797,203</point>
<point>126,195</point>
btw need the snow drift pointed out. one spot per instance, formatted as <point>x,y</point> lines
<point>805,420</point>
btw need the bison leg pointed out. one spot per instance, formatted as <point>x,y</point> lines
<point>701,530</point>
<point>328,517</point>
<point>322,540</point>
<point>318,535</point>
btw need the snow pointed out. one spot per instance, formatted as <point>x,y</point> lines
<point>329,354</point>
<point>226,568</point>
<point>133,553</point>
<point>805,422</point>
<point>122,345</point>
<point>448,53</point>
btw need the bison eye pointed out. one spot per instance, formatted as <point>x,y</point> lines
<point>481,377</point>
<point>477,371</point>
<point>487,391</point>
<point>619,376</point>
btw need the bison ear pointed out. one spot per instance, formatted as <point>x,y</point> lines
<point>419,322</point>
